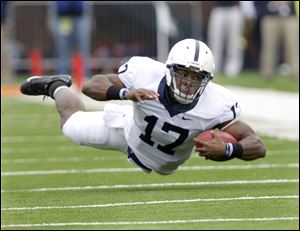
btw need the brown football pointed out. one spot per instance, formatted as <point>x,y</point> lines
<point>207,136</point>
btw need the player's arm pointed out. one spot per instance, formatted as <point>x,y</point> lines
<point>108,87</point>
<point>97,86</point>
<point>250,146</point>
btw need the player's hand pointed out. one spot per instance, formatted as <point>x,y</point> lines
<point>213,150</point>
<point>141,94</point>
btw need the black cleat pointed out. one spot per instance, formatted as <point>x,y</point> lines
<point>39,85</point>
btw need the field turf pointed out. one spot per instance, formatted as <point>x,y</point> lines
<point>47,182</point>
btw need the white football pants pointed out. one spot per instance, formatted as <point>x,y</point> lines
<point>99,129</point>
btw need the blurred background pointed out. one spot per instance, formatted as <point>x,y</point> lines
<point>89,37</point>
<point>256,50</point>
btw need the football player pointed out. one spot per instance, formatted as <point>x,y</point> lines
<point>172,103</point>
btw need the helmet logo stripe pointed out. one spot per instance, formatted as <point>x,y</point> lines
<point>197,51</point>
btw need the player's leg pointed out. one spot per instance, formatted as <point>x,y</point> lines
<point>84,128</point>
<point>91,129</point>
<point>57,87</point>
<point>67,103</point>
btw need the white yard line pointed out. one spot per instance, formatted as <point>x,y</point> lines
<point>152,202</point>
<point>27,116</point>
<point>105,158</point>
<point>173,184</point>
<point>55,138</point>
<point>60,148</point>
<point>24,139</point>
<point>270,152</point>
<point>62,159</point>
<point>153,222</point>
<point>25,150</point>
<point>109,170</point>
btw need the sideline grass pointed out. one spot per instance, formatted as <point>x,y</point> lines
<point>22,151</point>
<point>252,79</point>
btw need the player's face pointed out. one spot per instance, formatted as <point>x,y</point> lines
<point>187,82</point>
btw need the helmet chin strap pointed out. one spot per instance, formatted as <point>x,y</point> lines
<point>181,97</point>
<point>181,100</point>
<point>186,99</point>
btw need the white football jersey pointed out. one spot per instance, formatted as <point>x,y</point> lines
<point>159,131</point>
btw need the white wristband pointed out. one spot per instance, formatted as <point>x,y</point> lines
<point>123,92</point>
<point>228,149</point>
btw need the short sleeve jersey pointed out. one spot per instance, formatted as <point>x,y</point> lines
<point>160,131</point>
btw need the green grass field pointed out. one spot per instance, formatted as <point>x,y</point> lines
<point>47,182</point>
<point>252,79</point>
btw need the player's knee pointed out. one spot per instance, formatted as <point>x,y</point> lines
<point>85,128</point>
<point>71,128</point>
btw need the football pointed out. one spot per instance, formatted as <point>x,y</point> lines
<point>207,136</point>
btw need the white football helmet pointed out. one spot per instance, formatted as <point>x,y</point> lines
<point>189,55</point>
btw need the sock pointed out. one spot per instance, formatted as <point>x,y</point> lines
<point>53,86</point>
<point>57,89</point>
